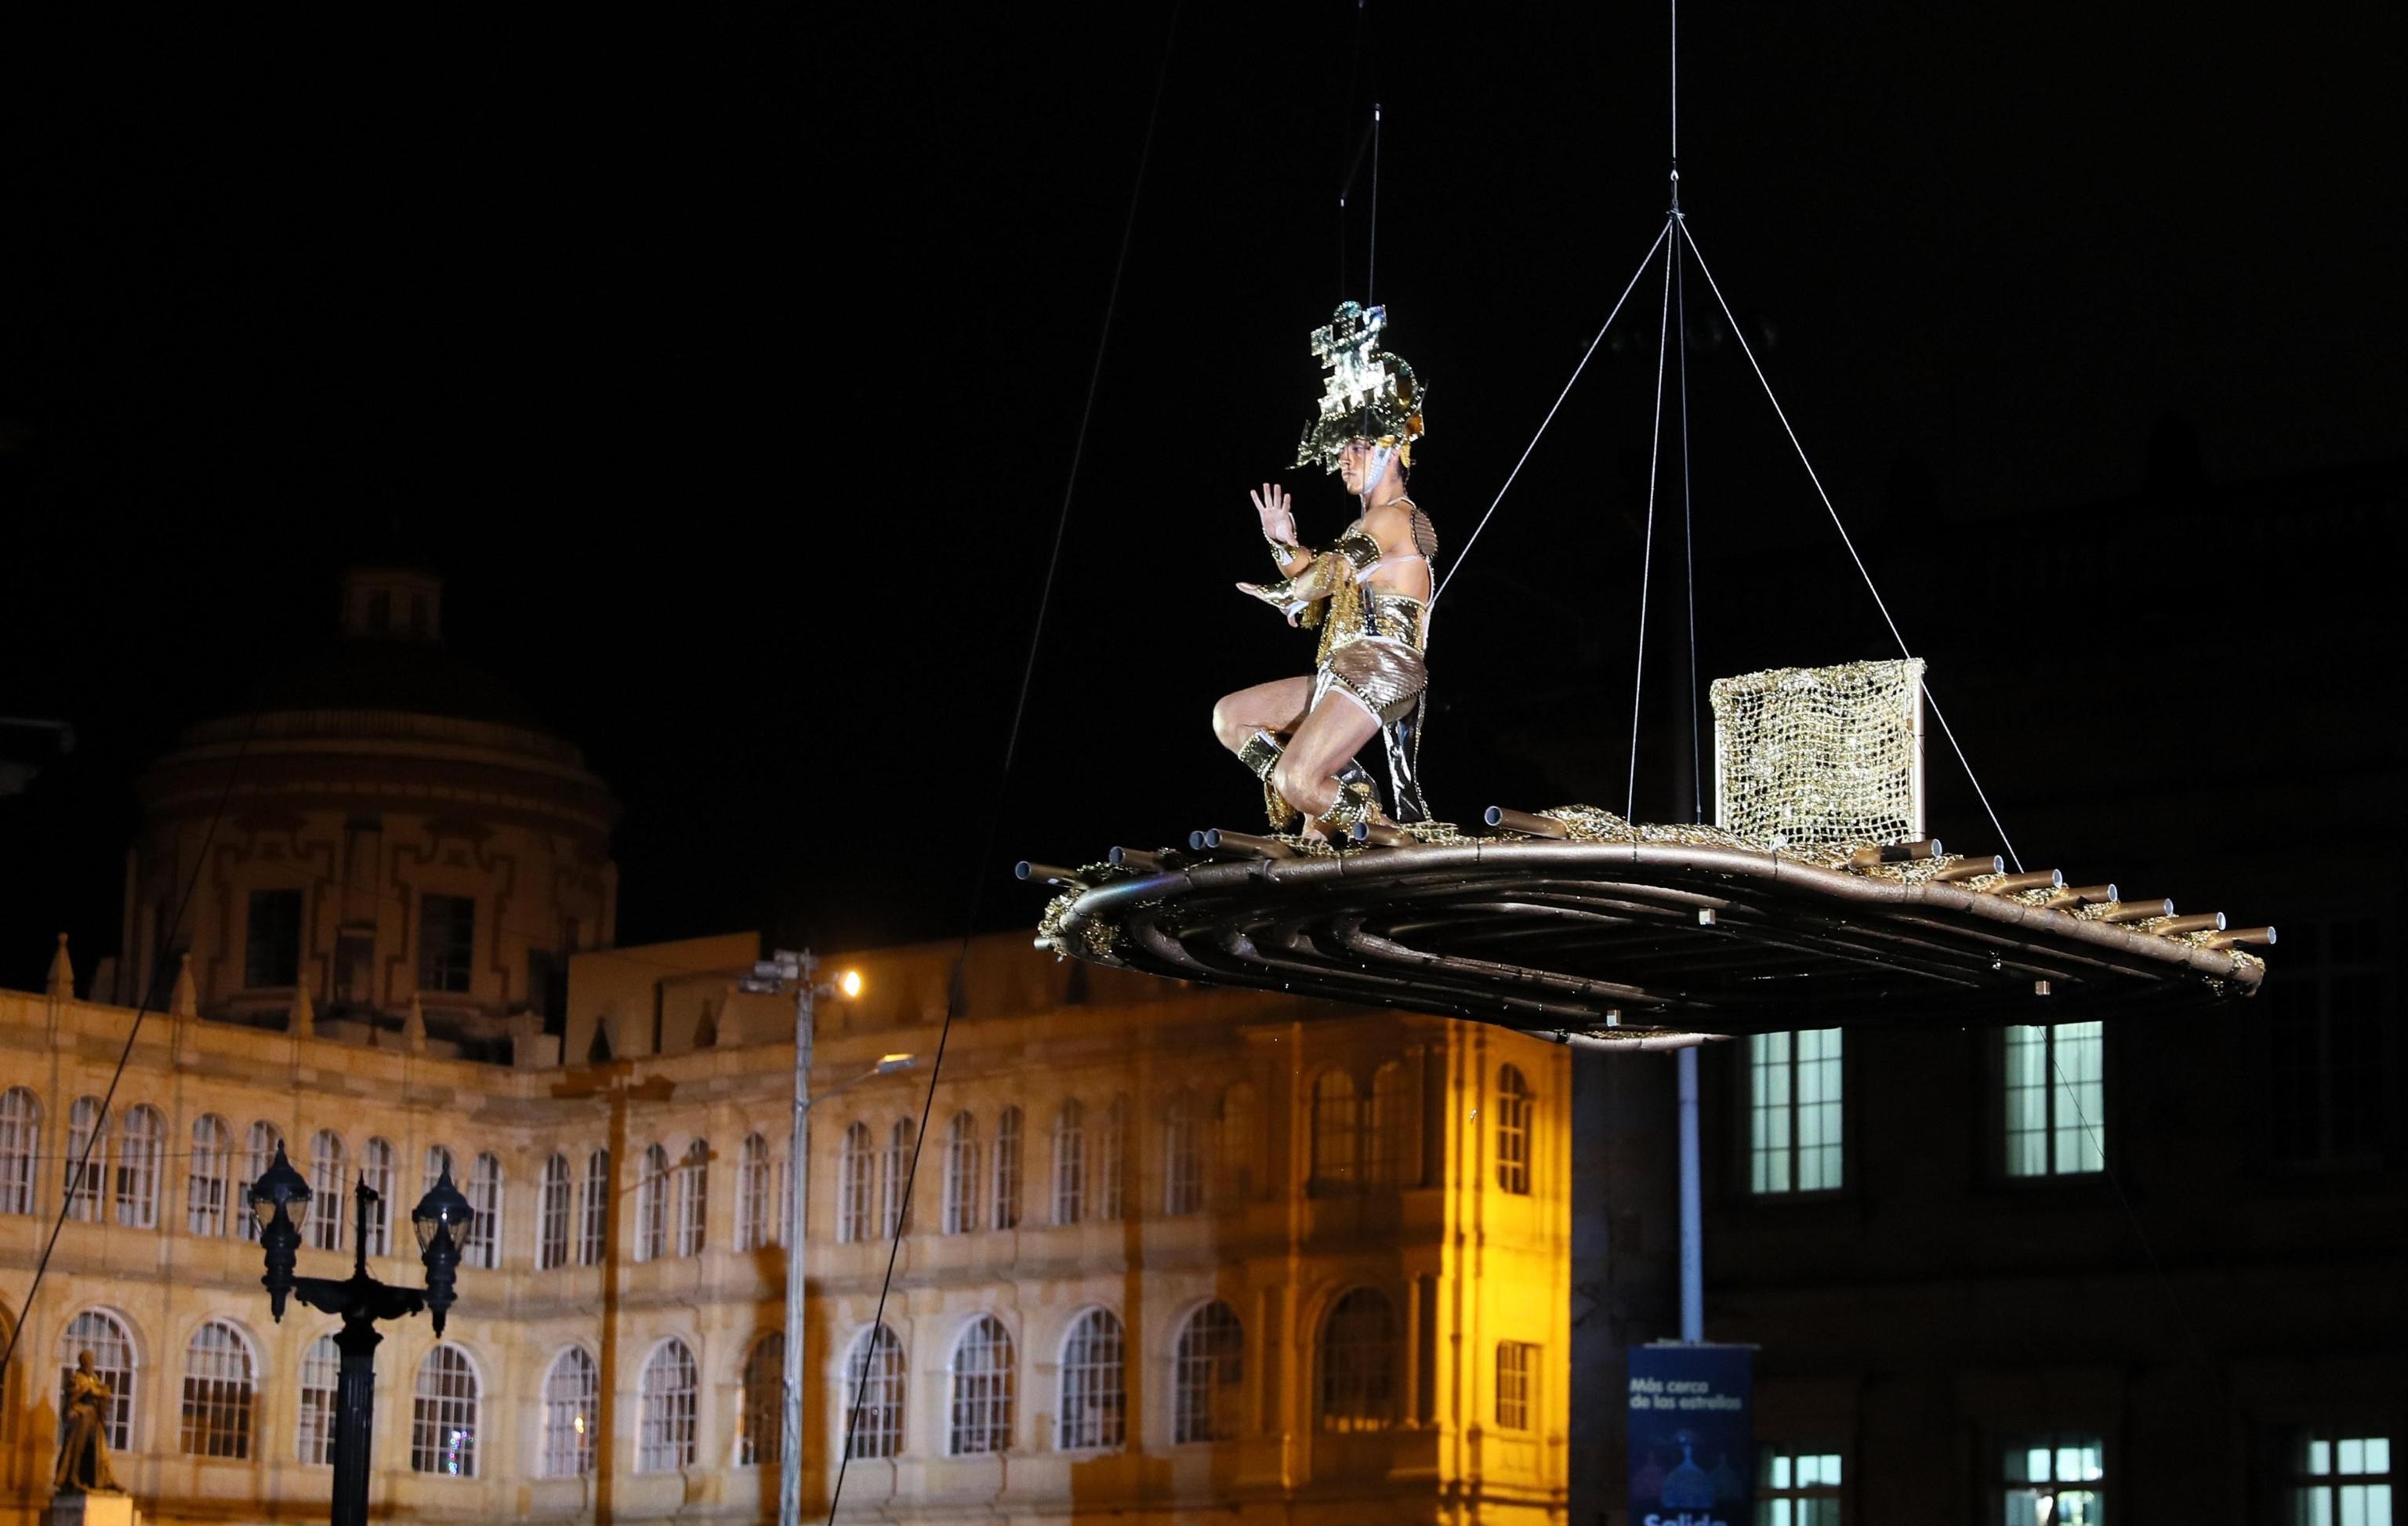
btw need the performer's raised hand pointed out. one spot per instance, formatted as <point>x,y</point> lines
<point>1272,508</point>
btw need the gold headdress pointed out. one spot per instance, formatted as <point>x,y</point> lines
<point>1371,394</point>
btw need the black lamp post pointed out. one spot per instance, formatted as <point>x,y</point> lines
<point>279,1200</point>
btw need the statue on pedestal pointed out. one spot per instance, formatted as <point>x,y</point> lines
<point>83,1445</point>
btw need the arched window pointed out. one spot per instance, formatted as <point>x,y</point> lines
<point>856,1184</point>
<point>439,1164</point>
<point>761,1429</point>
<point>572,1393</point>
<point>259,1151</point>
<point>85,1174</point>
<point>330,1189</point>
<point>217,1393</point>
<point>322,1372</point>
<point>693,1197</point>
<point>981,1400</point>
<point>898,1176</point>
<point>1070,1164</point>
<point>1240,1153</point>
<point>664,1439</point>
<point>139,1140</point>
<point>485,1248</point>
<point>1358,1363</point>
<point>1182,1157</point>
<point>1389,1156</point>
<point>1111,1160</point>
<point>872,1402</point>
<point>210,1178</point>
<point>1207,1375</point>
<point>593,1217</point>
<point>21,1142</point>
<point>1095,1393</point>
<point>652,1205</point>
<point>1007,1169</point>
<point>112,1359</point>
<point>753,1173</point>
<point>377,1160</point>
<point>960,1174</point>
<point>1337,1124</point>
<point>1513,1113</point>
<point>552,1231</point>
<point>443,1414</point>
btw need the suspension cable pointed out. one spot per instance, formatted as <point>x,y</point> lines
<point>1647,553</point>
<point>1688,541</point>
<point>1945,730</point>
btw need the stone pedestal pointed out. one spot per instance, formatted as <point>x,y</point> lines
<point>92,1510</point>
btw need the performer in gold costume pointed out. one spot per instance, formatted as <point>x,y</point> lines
<point>1369,593</point>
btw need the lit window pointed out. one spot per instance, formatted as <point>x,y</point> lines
<point>443,1414</point>
<point>2056,1100</point>
<point>20,1138</point>
<point>594,1216</point>
<point>652,1205</point>
<point>552,1237</point>
<point>761,1427</point>
<point>856,1184</point>
<point>447,942</point>
<point>1095,1398</point>
<point>86,1161</point>
<point>1183,1158</point>
<point>217,1393</point>
<point>1794,1129</point>
<point>572,1396</point>
<point>1335,1125</point>
<point>1240,1153</point>
<point>981,1399</point>
<point>1111,1160</point>
<point>898,1176</point>
<point>752,1174</point>
<point>329,1185</point>
<point>2341,1477</point>
<point>112,1362</point>
<point>439,1164</point>
<point>485,1248</point>
<point>2325,1066</point>
<point>1388,1144</point>
<point>139,1140</point>
<point>1799,1486</point>
<point>2057,1481</point>
<point>210,1177</point>
<point>1070,1164</point>
<point>1207,1375</point>
<point>1517,1384</point>
<point>665,1442</point>
<point>322,1374</point>
<point>1007,1169</point>
<point>872,1401</point>
<point>960,1174</point>
<point>376,1165</point>
<point>271,952</point>
<point>259,1149</point>
<point>1358,1363</point>
<point>1513,1116</point>
<point>693,1197</point>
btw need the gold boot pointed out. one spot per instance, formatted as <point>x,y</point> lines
<point>1261,754</point>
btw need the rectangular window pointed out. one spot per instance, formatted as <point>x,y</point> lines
<point>1798,1486</point>
<point>2057,1481</point>
<point>2340,1476</point>
<point>2323,1072</point>
<point>271,940</point>
<point>1794,1112</point>
<point>1518,1382</point>
<point>2055,1096</point>
<point>447,942</point>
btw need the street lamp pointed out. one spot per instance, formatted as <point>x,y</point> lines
<point>799,973</point>
<point>280,1201</point>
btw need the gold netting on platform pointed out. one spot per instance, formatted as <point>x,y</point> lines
<point>1812,760</point>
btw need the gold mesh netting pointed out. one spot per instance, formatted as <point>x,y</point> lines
<point>1813,760</point>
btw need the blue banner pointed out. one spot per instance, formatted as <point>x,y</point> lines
<point>1692,1457</point>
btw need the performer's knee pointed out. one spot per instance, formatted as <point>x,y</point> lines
<point>1230,726</point>
<point>1302,790</point>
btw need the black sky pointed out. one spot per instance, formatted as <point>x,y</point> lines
<point>731,367</point>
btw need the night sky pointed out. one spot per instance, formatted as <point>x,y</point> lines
<point>731,368</point>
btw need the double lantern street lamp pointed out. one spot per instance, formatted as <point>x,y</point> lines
<point>280,1201</point>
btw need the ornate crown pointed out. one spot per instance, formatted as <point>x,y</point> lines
<point>1371,394</point>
